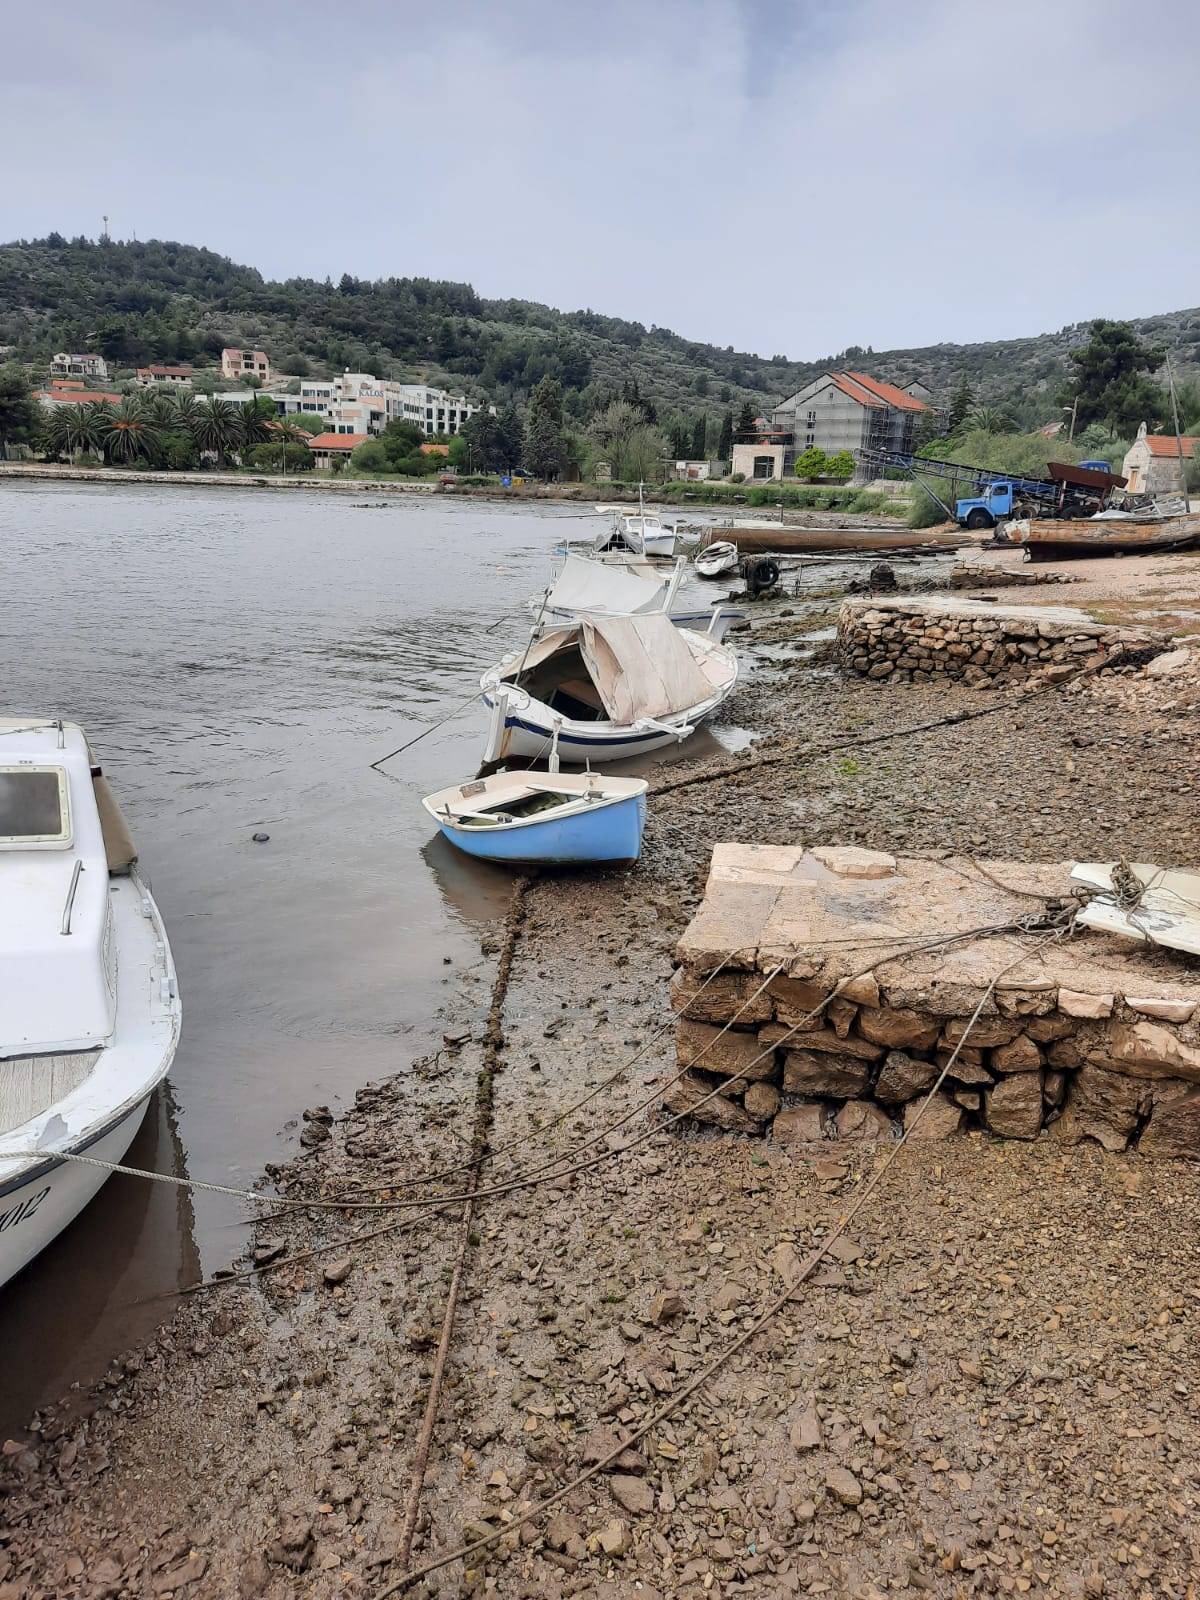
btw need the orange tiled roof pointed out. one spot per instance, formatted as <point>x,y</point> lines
<point>435,449</point>
<point>856,391</point>
<point>79,397</point>
<point>887,392</point>
<point>1163,444</point>
<point>337,441</point>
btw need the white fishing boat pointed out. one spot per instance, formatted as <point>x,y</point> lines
<point>586,586</point>
<point>641,532</point>
<point>89,1007</point>
<point>604,688</point>
<point>717,558</point>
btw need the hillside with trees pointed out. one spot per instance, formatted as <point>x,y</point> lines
<point>156,300</point>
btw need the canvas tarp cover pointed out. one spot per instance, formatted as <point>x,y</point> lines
<point>584,585</point>
<point>641,667</point>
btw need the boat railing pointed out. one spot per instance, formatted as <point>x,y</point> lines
<point>70,905</point>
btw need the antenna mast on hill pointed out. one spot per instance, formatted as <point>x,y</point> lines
<point>104,239</point>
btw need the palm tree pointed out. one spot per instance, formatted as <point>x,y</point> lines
<point>215,427</point>
<point>187,410</point>
<point>992,419</point>
<point>256,423</point>
<point>52,435</point>
<point>133,434</point>
<point>86,427</point>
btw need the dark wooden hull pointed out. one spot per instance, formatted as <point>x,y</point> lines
<point>782,540</point>
<point>1077,541</point>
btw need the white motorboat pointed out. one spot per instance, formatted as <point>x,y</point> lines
<point>641,532</point>
<point>717,558</point>
<point>89,1006</point>
<point>590,587</point>
<point>604,688</point>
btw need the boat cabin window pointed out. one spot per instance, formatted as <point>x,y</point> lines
<point>33,806</point>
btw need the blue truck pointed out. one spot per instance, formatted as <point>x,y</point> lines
<point>1004,498</point>
<point>1071,490</point>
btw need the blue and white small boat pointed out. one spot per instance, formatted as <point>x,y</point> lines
<point>547,818</point>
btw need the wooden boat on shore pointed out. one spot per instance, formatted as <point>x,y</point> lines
<point>547,818</point>
<point>780,539</point>
<point>1045,539</point>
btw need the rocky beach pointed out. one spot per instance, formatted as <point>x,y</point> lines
<point>988,1385</point>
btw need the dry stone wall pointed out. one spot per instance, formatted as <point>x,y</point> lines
<point>921,639</point>
<point>1092,1038</point>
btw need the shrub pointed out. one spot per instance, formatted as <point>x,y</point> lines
<point>737,477</point>
<point>415,465</point>
<point>372,456</point>
<point>279,457</point>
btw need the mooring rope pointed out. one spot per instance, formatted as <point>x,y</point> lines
<point>773,1308</point>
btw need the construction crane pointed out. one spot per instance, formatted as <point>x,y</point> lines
<point>1069,491</point>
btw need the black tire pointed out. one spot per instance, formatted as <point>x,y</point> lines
<point>979,518</point>
<point>761,574</point>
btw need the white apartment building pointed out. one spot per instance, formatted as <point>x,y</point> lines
<point>359,402</point>
<point>87,365</point>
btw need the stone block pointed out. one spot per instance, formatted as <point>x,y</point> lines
<point>813,1072</point>
<point>685,1095</point>
<point>1044,1030</point>
<point>1013,1109</point>
<point>703,1045</point>
<point>1075,1004</point>
<point>1100,1105</point>
<point>799,1124</point>
<point>1163,1010</point>
<point>903,1076</point>
<point>863,1120</point>
<point>761,1101</point>
<point>723,997</point>
<point>727,928</point>
<point>899,1030</point>
<point>848,861</point>
<point>821,1039</point>
<point>942,1120</point>
<point>1150,1050</point>
<point>985,1033</point>
<point>794,999</point>
<point>1174,1126</point>
<point>1021,1055</point>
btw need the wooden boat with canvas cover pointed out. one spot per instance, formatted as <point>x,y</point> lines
<point>605,688</point>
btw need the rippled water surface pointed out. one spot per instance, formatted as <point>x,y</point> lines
<point>238,658</point>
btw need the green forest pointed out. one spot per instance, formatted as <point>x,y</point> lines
<point>161,301</point>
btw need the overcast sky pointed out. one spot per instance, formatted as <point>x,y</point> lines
<point>782,177</point>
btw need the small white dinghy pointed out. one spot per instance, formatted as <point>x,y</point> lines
<point>716,558</point>
<point>605,688</point>
<point>89,1007</point>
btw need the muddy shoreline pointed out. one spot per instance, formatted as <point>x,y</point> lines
<point>260,1444</point>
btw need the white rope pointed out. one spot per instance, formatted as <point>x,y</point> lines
<point>159,1177</point>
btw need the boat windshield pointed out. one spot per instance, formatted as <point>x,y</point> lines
<point>33,805</point>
